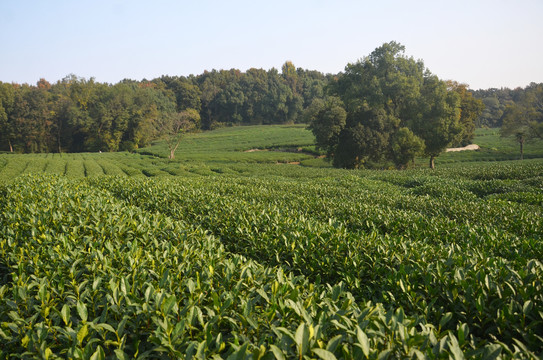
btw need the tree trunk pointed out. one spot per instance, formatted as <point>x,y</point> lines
<point>173,148</point>
<point>432,162</point>
<point>521,149</point>
<point>10,147</point>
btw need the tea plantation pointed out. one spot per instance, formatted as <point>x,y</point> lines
<point>241,255</point>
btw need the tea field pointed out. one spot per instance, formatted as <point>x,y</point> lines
<point>241,255</point>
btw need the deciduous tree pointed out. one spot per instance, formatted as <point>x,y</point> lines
<point>174,126</point>
<point>438,119</point>
<point>395,108</point>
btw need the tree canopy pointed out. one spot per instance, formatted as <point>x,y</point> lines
<point>524,120</point>
<point>384,109</point>
<point>395,110</point>
<point>77,114</point>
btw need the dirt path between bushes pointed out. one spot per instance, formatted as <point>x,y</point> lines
<point>469,147</point>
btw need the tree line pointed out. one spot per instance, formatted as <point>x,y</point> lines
<point>385,108</point>
<point>495,101</point>
<point>77,114</point>
<point>523,119</point>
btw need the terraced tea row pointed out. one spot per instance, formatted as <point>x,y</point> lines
<point>89,165</point>
<point>84,275</point>
<point>475,262</point>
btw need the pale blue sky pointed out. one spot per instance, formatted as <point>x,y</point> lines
<point>480,42</point>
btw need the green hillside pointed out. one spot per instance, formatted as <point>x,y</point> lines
<point>236,150</point>
<point>228,254</point>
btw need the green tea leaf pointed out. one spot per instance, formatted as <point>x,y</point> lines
<point>333,343</point>
<point>492,351</point>
<point>363,341</point>
<point>82,311</point>
<point>239,354</point>
<point>383,355</point>
<point>25,341</point>
<point>121,355</point>
<point>47,354</point>
<point>106,326</point>
<point>302,338</point>
<point>277,352</point>
<point>445,319</point>
<point>454,347</point>
<point>324,354</point>
<point>527,307</point>
<point>65,313</point>
<point>170,304</point>
<point>98,354</point>
<point>82,333</point>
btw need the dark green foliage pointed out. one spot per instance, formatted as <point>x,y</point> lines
<point>95,277</point>
<point>385,92</point>
<point>77,115</point>
<point>326,119</point>
<point>524,120</point>
<point>439,123</point>
<point>404,147</point>
<point>470,110</point>
<point>240,258</point>
<point>495,101</point>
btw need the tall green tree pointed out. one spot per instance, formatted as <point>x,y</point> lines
<point>380,93</point>
<point>148,105</point>
<point>255,85</point>
<point>532,101</point>
<point>64,113</point>
<point>312,84</point>
<point>438,119</point>
<point>516,124</point>
<point>365,138</point>
<point>495,101</point>
<point>395,108</point>
<point>186,91</point>
<point>210,86</point>
<point>82,94</point>
<point>275,107</point>
<point>30,120</point>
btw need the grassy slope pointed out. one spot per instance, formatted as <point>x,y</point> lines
<point>230,144</point>
<point>225,151</point>
<point>206,153</point>
<point>494,148</point>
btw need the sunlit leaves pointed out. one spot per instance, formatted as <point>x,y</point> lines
<point>162,268</point>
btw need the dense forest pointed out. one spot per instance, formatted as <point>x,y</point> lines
<point>497,100</point>
<point>77,114</point>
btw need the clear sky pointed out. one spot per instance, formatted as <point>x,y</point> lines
<point>482,43</point>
